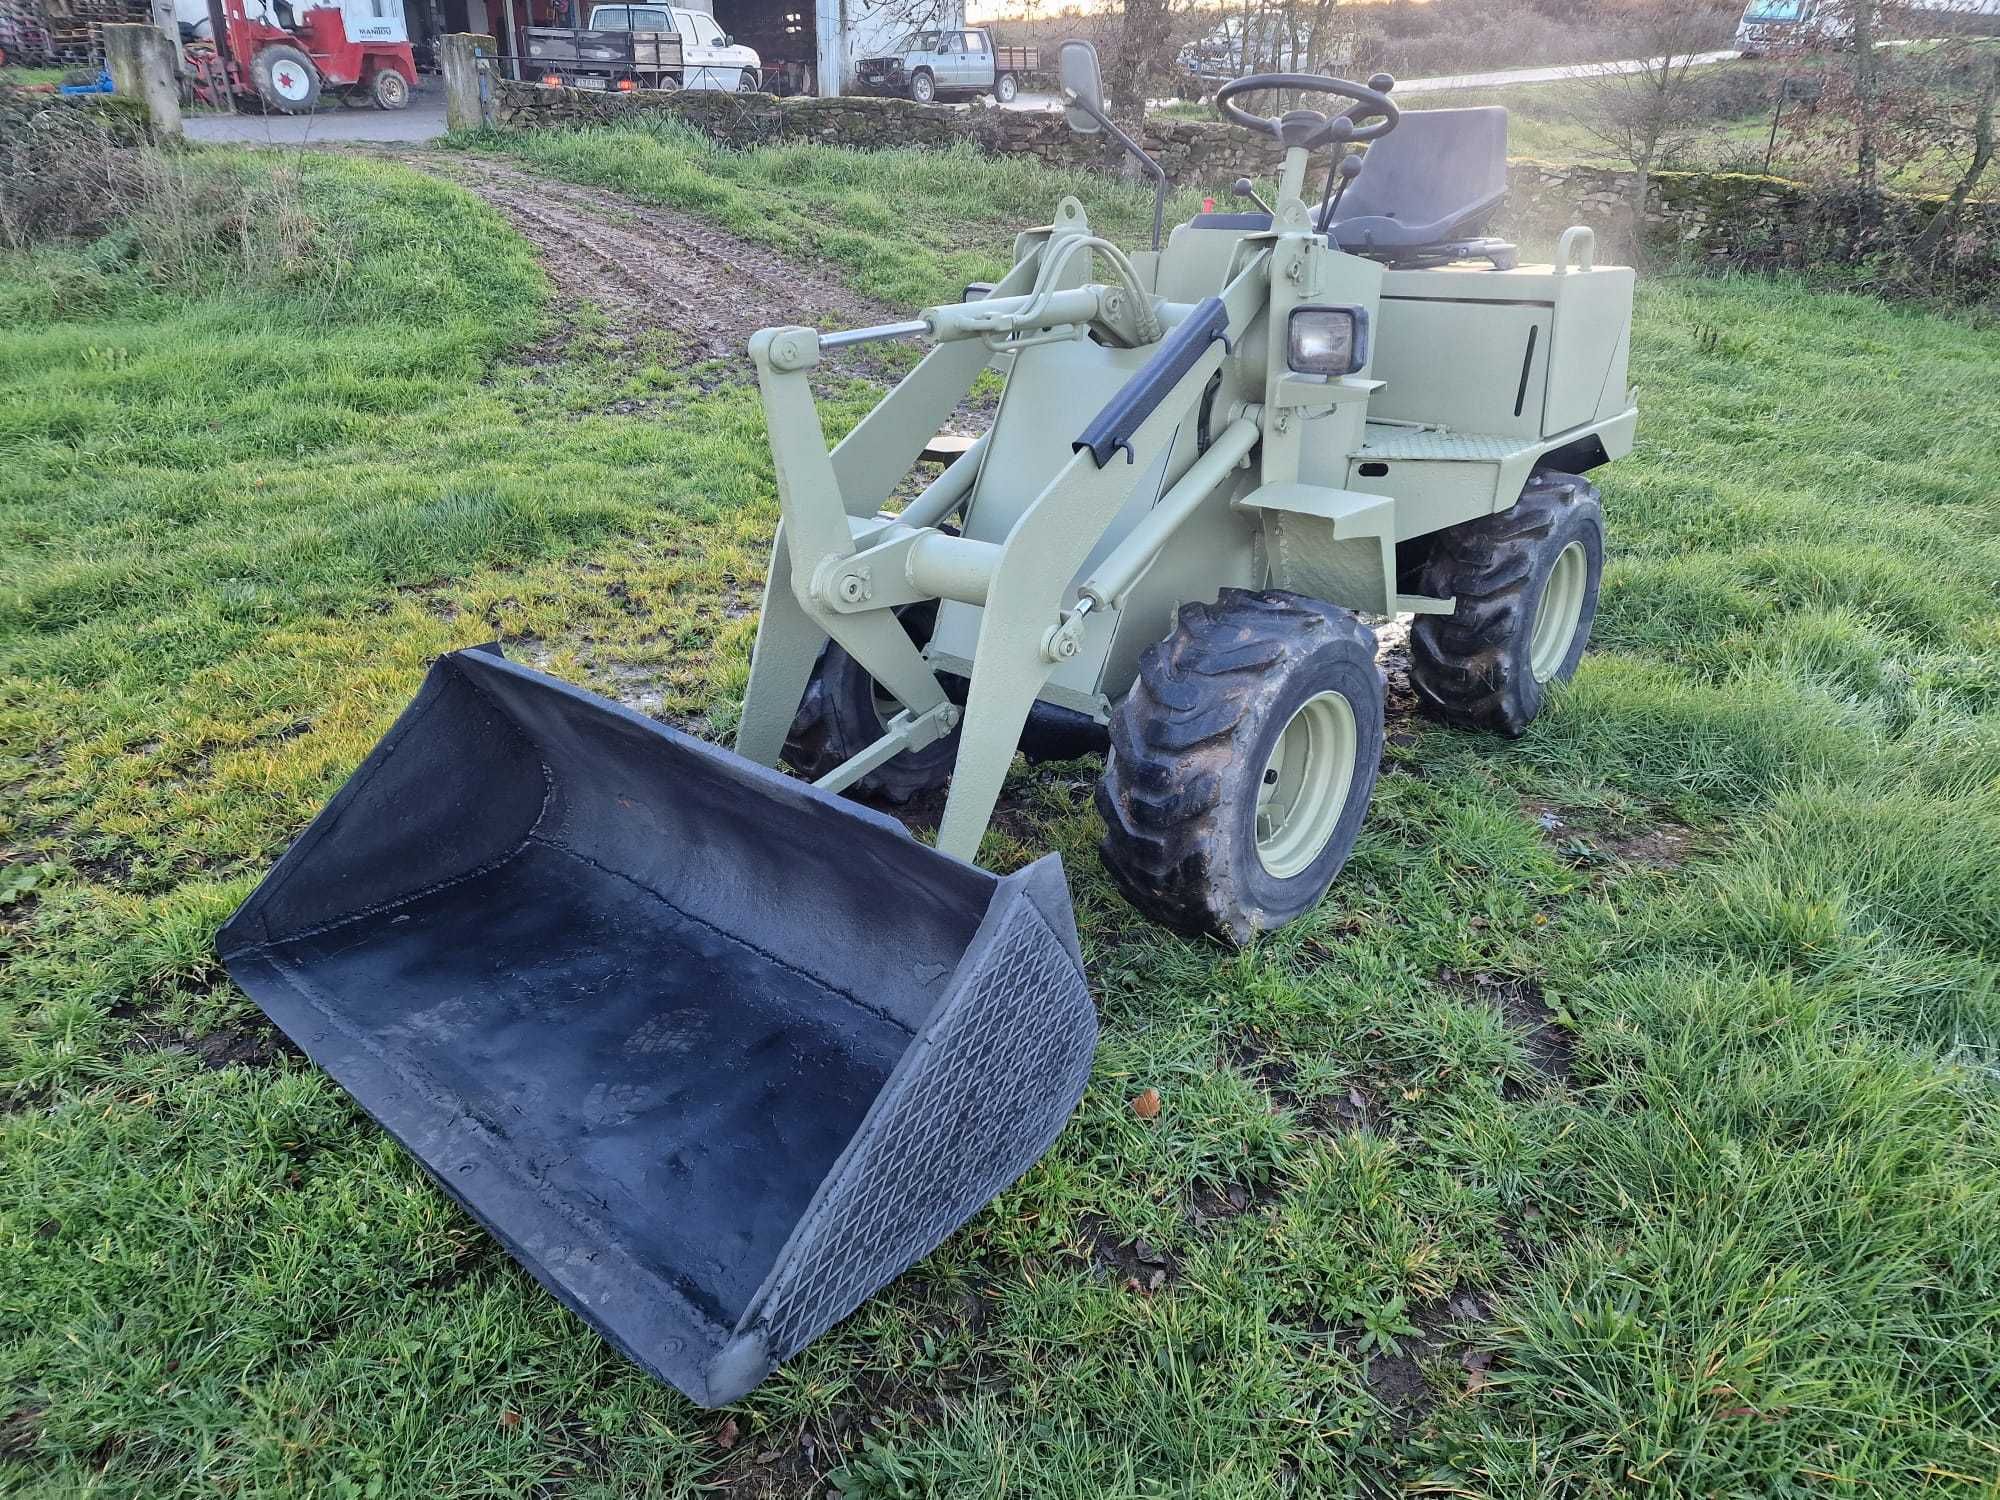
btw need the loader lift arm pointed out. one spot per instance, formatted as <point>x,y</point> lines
<point>840,569</point>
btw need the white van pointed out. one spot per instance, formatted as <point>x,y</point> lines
<point>710,59</point>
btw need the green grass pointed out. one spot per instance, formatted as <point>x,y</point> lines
<point>1748,1243</point>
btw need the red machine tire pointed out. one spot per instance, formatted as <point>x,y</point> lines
<point>285,79</point>
<point>391,89</point>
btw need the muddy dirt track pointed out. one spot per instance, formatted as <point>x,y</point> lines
<point>648,269</point>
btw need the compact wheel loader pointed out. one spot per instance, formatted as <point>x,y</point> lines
<point>716,1051</point>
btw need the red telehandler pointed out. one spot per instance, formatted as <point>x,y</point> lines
<point>287,53</point>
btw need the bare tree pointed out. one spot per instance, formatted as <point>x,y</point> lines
<point>1945,222</point>
<point>1647,115</point>
<point>1890,116</point>
<point>1142,59</point>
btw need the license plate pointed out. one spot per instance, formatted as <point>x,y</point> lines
<point>591,83</point>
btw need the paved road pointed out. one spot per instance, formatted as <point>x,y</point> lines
<point>1540,75</point>
<point>1451,81</point>
<point>422,121</point>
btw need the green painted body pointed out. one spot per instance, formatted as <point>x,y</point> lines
<point>1064,572</point>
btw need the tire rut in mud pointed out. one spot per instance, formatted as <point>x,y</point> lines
<point>653,270</point>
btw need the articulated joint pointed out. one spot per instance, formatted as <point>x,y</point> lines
<point>905,565</point>
<point>1063,641</point>
<point>785,349</point>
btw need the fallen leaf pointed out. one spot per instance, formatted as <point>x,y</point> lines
<point>1475,1363</point>
<point>725,1435</point>
<point>1157,1280</point>
<point>510,1419</point>
<point>1146,1103</point>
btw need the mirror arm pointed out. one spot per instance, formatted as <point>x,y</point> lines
<point>1133,149</point>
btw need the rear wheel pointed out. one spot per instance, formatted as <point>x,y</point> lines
<point>391,89</point>
<point>1526,582</point>
<point>285,79</point>
<point>1241,763</point>
<point>1005,89</point>
<point>923,87</point>
<point>844,712</point>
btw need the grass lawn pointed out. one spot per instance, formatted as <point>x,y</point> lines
<point>1627,1119</point>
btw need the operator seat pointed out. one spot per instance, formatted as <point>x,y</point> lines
<point>1427,188</point>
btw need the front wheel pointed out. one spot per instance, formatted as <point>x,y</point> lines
<point>391,89</point>
<point>844,712</point>
<point>746,82</point>
<point>1526,583</point>
<point>923,88</point>
<point>1241,763</point>
<point>285,79</point>
<point>1006,89</point>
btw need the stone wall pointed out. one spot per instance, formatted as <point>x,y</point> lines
<point>1737,218</point>
<point>1720,217</point>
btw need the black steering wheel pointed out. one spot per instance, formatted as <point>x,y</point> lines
<point>1308,127</point>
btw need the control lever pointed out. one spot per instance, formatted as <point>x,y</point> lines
<point>1245,188</point>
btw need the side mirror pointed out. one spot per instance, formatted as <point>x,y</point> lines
<point>1077,71</point>
<point>1083,105</point>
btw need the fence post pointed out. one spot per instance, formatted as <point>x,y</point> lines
<point>140,60</point>
<point>469,61</point>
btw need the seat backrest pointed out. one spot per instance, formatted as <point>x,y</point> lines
<point>1437,177</point>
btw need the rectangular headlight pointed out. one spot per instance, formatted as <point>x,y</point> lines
<point>1328,340</point>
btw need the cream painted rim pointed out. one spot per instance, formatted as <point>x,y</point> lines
<point>291,81</point>
<point>1303,789</point>
<point>1556,616</point>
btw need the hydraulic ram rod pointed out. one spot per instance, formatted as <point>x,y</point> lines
<point>944,493</point>
<point>1121,568</point>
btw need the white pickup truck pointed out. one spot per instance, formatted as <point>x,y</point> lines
<point>645,47</point>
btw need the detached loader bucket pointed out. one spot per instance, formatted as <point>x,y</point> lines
<point>713,1054</point>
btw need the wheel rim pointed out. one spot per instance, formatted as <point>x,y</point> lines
<point>390,88</point>
<point>1304,786</point>
<point>923,90</point>
<point>1557,614</point>
<point>290,82</point>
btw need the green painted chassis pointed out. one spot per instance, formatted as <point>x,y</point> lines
<point>1063,570</point>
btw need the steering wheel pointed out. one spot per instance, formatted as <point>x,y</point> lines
<point>1308,127</point>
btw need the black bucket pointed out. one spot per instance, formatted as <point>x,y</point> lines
<point>713,1054</point>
